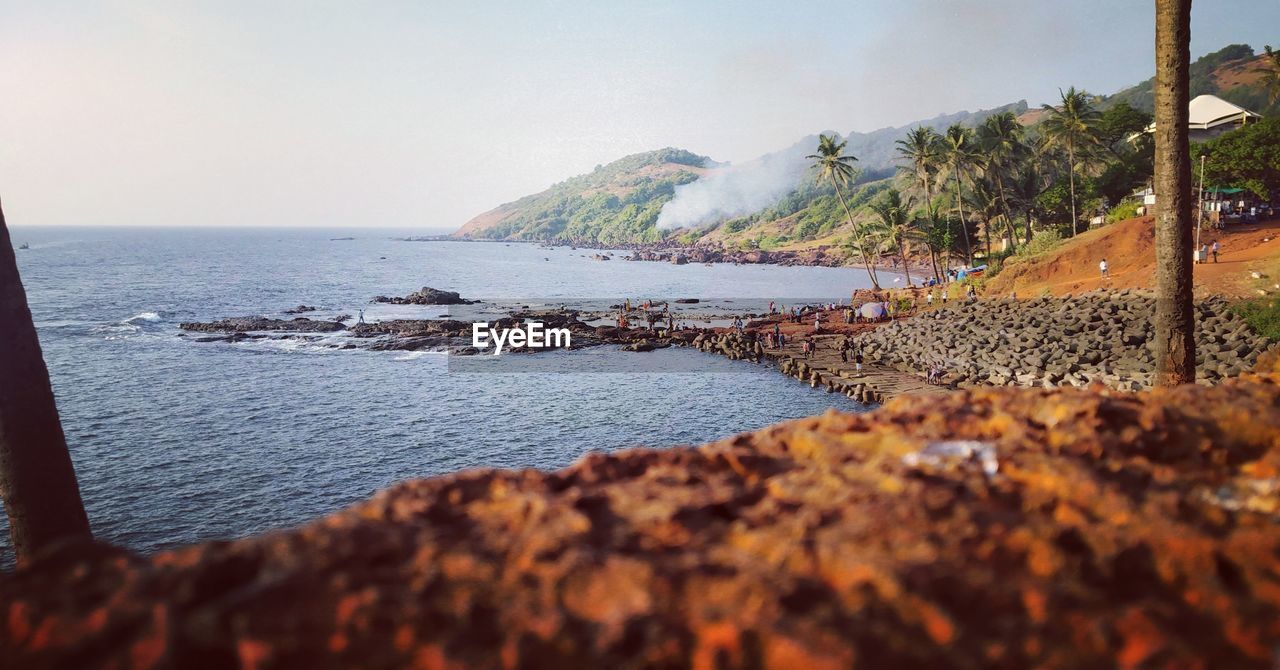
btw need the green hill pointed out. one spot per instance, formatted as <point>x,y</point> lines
<point>1231,73</point>
<point>614,203</point>
<point>774,201</point>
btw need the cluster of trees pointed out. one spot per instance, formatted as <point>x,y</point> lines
<point>959,187</point>
<point>1248,158</point>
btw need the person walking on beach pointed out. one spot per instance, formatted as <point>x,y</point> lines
<point>928,299</point>
<point>1214,249</point>
<point>1103,268</point>
<point>857,362</point>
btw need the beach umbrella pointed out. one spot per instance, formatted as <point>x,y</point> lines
<point>873,310</point>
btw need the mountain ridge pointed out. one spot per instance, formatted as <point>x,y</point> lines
<point>622,202</point>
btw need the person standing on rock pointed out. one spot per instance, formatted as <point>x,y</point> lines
<point>1103,268</point>
<point>857,362</point>
<point>817,321</point>
<point>928,299</point>
<point>1214,249</point>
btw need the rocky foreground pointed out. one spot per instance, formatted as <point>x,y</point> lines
<point>991,528</point>
<point>1049,342</point>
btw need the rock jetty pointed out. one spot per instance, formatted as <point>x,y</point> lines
<point>244,324</point>
<point>1074,340</point>
<point>1010,528</point>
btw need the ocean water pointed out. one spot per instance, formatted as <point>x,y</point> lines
<point>176,441</point>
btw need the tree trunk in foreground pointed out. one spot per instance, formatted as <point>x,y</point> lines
<point>1175,324</point>
<point>37,482</point>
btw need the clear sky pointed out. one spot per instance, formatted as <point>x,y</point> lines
<point>383,113</point>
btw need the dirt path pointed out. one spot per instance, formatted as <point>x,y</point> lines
<point>1129,249</point>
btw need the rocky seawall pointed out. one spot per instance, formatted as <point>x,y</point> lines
<point>1101,336</point>
<point>990,528</point>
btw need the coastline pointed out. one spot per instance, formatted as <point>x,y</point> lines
<point>678,254</point>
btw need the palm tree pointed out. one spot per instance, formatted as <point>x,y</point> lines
<point>959,155</point>
<point>1271,78</point>
<point>1002,148</point>
<point>1071,127</point>
<point>985,205</point>
<point>1175,349</point>
<point>893,225</point>
<point>1024,188</point>
<point>838,169</point>
<point>922,151</point>
<point>933,228</point>
<point>37,481</point>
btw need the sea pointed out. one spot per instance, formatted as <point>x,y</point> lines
<point>176,441</point>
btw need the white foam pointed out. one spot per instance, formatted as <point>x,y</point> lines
<point>145,316</point>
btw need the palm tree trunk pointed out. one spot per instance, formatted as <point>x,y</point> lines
<point>862,246</point>
<point>1004,207</point>
<point>1174,322</point>
<point>902,253</point>
<point>37,481</point>
<point>964,227</point>
<point>1071,178</point>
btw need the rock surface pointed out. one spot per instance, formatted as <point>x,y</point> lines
<point>1070,341</point>
<point>427,296</point>
<point>245,324</point>
<point>993,528</point>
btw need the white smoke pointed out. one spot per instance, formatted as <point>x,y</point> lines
<point>733,191</point>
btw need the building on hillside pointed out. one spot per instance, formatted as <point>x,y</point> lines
<point>1211,116</point>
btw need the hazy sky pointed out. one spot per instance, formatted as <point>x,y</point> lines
<point>350,113</point>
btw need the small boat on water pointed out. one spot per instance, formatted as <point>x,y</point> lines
<point>24,246</point>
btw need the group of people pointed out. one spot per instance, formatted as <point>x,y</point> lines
<point>653,320</point>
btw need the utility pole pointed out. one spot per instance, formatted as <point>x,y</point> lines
<point>1200,211</point>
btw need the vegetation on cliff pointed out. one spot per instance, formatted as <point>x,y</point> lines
<point>615,203</point>
<point>1017,170</point>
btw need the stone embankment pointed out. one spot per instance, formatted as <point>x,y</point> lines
<point>1101,336</point>
<point>1002,528</point>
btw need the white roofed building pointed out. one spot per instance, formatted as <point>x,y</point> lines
<point>1211,116</point>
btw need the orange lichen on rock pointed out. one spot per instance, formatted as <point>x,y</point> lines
<point>991,528</point>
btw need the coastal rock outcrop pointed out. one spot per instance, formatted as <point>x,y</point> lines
<point>244,324</point>
<point>1074,340</point>
<point>427,296</point>
<point>992,528</point>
